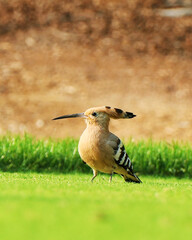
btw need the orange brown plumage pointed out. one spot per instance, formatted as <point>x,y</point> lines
<point>99,148</point>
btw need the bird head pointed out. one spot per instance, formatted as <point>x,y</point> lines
<point>100,115</point>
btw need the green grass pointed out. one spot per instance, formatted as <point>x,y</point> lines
<point>61,156</point>
<point>69,206</point>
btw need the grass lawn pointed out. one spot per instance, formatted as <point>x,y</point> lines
<point>50,206</point>
<point>26,153</point>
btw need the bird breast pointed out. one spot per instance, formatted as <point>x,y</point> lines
<point>94,150</point>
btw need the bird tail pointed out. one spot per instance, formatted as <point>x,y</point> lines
<point>132,178</point>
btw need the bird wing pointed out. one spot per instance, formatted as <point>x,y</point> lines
<point>122,159</point>
<point>120,156</point>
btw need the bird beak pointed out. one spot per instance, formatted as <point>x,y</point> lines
<point>70,116</point>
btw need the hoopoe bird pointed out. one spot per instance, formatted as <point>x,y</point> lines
<point>99,148</point>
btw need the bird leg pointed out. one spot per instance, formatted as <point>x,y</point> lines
<point>94,174</point>
<point>110,179</point>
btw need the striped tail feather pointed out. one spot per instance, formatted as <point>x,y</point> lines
<point>132,178</point>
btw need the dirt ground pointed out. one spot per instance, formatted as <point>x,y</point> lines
<point>44,75</point>
<point>64,57</point>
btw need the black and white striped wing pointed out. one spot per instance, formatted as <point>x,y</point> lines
<point>121,157</point>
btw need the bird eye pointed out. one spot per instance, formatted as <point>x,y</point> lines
<point>94,114</point>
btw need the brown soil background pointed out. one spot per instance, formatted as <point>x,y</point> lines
<point>62,57</point>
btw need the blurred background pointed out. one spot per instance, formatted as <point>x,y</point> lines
<point>62,57</point>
